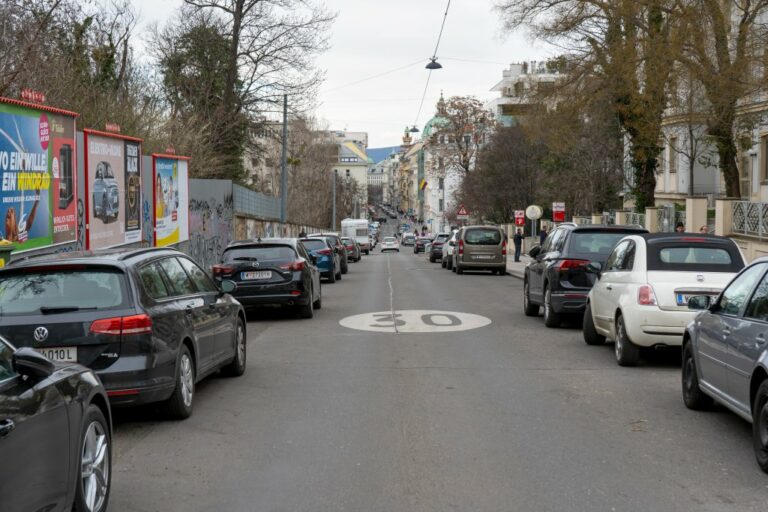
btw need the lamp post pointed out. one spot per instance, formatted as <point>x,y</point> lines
<point>333,215</point>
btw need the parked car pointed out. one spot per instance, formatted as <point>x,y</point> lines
<point>105,195</point>
<point>420,245</point>
<point>480,248</point>
<point>641,296</point>
<point>557,277</point>
<point>335,241</point>
<point>448,249</point>
<point>326,259</point>
<point>274,272</point>
<point>390,244</point>
<point>55,434</point>
<point>725,356</point>
<point>149,322</point>
<point>408,239</point>
<point>436,248</point>
<point>354,253</point>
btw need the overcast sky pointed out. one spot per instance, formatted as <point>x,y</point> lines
<point>371,37</point>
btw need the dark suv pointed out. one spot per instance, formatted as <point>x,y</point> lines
<point>340,248</point>
<point>149,322</point>
<point>557,278</point>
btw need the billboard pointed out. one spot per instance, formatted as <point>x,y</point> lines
<point>112,189</point>
<point>171,192</point>
<point>38,192</point>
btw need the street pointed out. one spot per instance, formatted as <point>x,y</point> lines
<point>507,416</point>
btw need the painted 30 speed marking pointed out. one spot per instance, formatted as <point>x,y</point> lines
<point>415,321</point>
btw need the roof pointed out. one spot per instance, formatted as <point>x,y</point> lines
<point>603,227</point>
<point>255,241</point>
<point>432,124</point>
<point>665,237</point>
<point>110,256</point>
<point>381,154</point>
<point>352,147</point>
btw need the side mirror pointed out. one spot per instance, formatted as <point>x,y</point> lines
<point>29,362</point>
<point>534,251</point>
<point>595,267</point>
<point>313,259</point>
<point>699,302</point>
<point>228,286</point>
<point>452,243</point>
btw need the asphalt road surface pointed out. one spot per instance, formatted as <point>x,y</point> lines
<point>505,416</point>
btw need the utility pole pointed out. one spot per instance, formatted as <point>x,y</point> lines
<point>284,167</point>
<point>333,215</point>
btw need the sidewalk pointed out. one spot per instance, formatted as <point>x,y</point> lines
<point>517,269</point>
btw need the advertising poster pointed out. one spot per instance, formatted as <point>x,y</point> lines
<point>112,177</point>
<point>171,184</point>
<point>38,203</point>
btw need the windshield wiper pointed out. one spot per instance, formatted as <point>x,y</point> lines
<point>47,310</point>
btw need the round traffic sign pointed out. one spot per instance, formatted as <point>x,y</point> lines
<point>534,212</point>
<point>414,321</point>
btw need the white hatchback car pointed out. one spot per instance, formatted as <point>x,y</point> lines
<point>448,247</point>
<point>640,298</point>
<point>390,244</point>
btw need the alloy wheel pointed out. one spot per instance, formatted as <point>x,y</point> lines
<point>94,466</point>
<point>619,345</point>
<point>187,380</point>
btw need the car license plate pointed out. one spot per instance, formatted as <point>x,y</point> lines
<point>682,300</point>
<point>483,257</point>
<point>60,354</point>
<point>262,274</point>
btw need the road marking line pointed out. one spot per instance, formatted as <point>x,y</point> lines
<point>391,293</point>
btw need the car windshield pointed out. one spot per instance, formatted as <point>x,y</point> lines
<point>389,240</point>
<point>595,242</point>
<point>314,245</point>
<point>260,253</point>
<point>482,236</point>
<point>34,292</point>
<point>442,238</point>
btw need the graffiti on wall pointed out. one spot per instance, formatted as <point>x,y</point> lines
<point>210,223</point>
<point>146,235</point>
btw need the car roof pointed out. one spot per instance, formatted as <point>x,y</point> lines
<point>604,227</point>
<point>671,237</point>
<point>114,257</point>
<point>265,241</point>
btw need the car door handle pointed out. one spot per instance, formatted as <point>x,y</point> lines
<point>726,331</point>
<point>760,340</point>
<point>6,427</point>
<point>608,287</point>
<point>188,309</point>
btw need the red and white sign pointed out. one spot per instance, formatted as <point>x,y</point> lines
<point>558,212</point>
<point>519,217</point>
<point>32,96</point>
<point>462,213</point>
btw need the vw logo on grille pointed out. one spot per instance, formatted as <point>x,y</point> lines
<point>41,334</point>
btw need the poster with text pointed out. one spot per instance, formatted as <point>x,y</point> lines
<point>38,198</point>
<point>171,201</point>
<point>112,176</point>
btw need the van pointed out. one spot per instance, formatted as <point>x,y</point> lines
<point>480,248</point>
<point>357,230</point>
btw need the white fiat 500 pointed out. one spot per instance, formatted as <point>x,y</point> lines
<point>640,298</point>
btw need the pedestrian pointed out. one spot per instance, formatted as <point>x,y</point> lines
<point>302,234</point>
<point>518,241</point>
<point>680,227</point>
<point>704,229</point>
<point>543,235</point>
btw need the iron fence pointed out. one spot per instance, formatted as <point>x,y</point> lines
<point>750,219</point>
<point>634,218</point>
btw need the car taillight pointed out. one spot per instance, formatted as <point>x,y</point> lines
<point>294,266</point>
<point>645,296</point>
<point>572,264</point>
<point>504,248</point>
<point>135,324</point>
<point>324,252</point>
<point>222,270</point>
<point>461,247</point>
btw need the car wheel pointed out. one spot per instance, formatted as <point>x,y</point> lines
<point>529,308</point>
<point>338,275</point>
<point>104,207</point>
<point>308,310</point>
<point>331,277</point>
<point>442,263</point>
<point>344,268</point>
<point>627,353</point>
<point>449,264</point>
<point>319,302</point>
<point>760,425</point>
<point>179,406</point>
<point>432,259</point>
<point>693,396</point>
<point>237,367</point>
<point>95,473</point>
<point>459,270</point>
<point>551,318</point>
<point>591,336</point>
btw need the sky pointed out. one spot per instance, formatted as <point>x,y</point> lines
<point>374,37</point>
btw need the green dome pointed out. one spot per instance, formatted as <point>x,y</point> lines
<point>433,124</point>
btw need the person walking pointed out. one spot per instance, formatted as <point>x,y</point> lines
<point>543,235</point>
<point>518,241</point>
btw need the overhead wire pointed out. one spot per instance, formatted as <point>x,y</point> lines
<point>434,57</point>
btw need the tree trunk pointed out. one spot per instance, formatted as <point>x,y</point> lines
<point>726,151</point>
<point>644,163</point>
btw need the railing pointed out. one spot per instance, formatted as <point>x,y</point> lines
<point>634,218</point>
<point>750,219</point>
<point>583,221</point>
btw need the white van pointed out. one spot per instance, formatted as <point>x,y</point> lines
<point>357,229</point>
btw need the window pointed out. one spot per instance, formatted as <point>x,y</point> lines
<point>315,245</point>
<point>736,294</point>
<point>179,279</point>
<point>745,175</point>
<point>586,243</point>
<point>27,292</point>
<point>764,157</point>
<point>629,257</point>
<point>441,184</point>
<point>482,236</point>
<point>694,256</point>
<point>673,155</point>
<point>616,259</point>
<point>440,205</point>
<point>261,253</point>
<point>347,173</point>
<point>152,281</point>
<point>758,305</point>
<point>6,362</point>
<point>198,276</point>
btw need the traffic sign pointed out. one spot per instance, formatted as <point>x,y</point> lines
<point>558,212</point>
<point>534,212</point>
<point>519,217</point>
<point>462,213</point>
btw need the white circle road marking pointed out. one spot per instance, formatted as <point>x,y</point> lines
<point>415,321</point>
